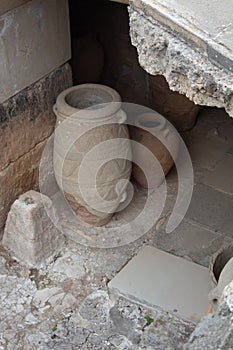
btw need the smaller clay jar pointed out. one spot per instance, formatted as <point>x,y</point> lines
<point>147,128</point>
<point>177,108</point>
<point>221,273</point>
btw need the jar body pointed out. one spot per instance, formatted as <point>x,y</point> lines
<point>152,131</point>
<point>177,108</point>
<point>88,175</point>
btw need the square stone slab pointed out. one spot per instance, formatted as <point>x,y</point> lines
<point>163,280</point>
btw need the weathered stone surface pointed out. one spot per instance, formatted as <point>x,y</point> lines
<point>18,177</point>
<point>206,206</point>
<point>191,241</point>
<point>7,6</point>
<point>35,40</point>
<point>185,68</point>
<point>15,299</point>
<point>227,296</point>
<point>221,176</point>
<point>29,232</point>
<point>27,118</point>
<point>101,323</point>
<point>26,121</point>
<point>210,34</point>
<point>68,266</point>
<point>215,332</point>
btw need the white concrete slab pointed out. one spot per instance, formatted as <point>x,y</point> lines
<point>207,23</point>
<point>160,279</point>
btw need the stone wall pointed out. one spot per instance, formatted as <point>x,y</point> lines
<point>34,49</point>
<point>34,40</point>
<point>26,122</point>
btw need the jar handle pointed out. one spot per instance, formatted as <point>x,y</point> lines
<point>55,110</point>
<point>122,116</point>
<point>165,132</point>
<point>123,196</point>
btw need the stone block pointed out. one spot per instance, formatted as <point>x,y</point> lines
<point>205,152</point>
<point>26,122</point>
<point>163,280</point>
<point>30,233</point>
<point>35,40</point>
<point>20,176</point>
<point>6,5</point>
<point>191,241</point>
<point>27,118</point>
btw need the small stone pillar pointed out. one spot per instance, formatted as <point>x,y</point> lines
<point>29,232</point>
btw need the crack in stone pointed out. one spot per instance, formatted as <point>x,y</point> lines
<point>23,155</point>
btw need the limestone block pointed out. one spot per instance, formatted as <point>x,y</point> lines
<point>26,122</point>
<point>6,5</point>
<point>27,118</point>
<point>34,40</point>
<point>30,233</point>
<point>18,177</point>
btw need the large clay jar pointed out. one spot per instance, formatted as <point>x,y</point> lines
<point>87,116</point>
<point>147,127</point>
<point>177,108</point>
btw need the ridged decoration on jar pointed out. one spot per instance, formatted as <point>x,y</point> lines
<point>147,127</point>
<point>87,116</point>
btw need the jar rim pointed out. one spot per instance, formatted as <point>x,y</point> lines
<point>88,102</point>
<point>149,121</point>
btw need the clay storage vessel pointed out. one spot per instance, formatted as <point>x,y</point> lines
<point>177,108</point>
<point>221,273</point>
<point>89,116</point>
<point>147,128</point>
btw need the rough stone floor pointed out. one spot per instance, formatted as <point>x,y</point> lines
<point>66,305</point>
